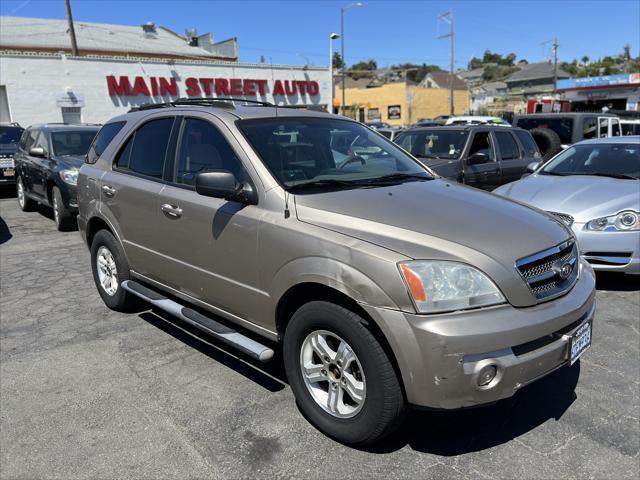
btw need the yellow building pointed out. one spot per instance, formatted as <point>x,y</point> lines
<point>399,103</point>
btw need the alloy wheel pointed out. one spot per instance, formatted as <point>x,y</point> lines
<point>20,193</point>
<point>56,210</point>
<point>332,374</point>
<point>107,271</point>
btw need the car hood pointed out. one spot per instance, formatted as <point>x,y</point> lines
<point>435,219</point>
<point>70,161</point>
<point>583,197</point>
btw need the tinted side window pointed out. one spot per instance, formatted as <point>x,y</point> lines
<point>145,152</point>
<point>590,127</point>
<point>508,147</point>
<point>604,127</point>
<point>203,148</point>
<point>30,139</point>
<point>102,140</point>
<point>615,127</point>
<point>482,144</point>
<point>528,143</point>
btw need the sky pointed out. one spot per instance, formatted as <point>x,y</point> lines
<point>297,32</point>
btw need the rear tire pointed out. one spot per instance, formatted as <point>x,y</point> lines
<point>110,268</point>
<point>548,142</point>
<point>65,220</point>
<point>24,202</point>
<point>377,406</point>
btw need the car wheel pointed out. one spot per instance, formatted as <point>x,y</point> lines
<point>342,378</point>
<point>25,203</point>
<point>64,219</point>
<point>110,268</point>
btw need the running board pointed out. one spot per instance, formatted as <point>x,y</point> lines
<point>221,332</point>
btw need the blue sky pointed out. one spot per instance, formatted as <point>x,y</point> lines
<point>297,32</point>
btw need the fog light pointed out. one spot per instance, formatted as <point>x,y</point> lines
<point>486,375</point>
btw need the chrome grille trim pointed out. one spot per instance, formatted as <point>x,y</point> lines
<point>540,270</point>
<point>563,217</point>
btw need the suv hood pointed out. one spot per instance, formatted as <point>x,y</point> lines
<point>435,219</point>
<point>583,197</point>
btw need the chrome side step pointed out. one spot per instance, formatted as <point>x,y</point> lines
<point>227,335</point>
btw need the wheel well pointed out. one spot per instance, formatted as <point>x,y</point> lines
<point>94,225</point>
<point>50,185</point>
<point>303,293</point>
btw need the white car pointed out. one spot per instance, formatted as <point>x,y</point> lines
<point>477,120</point>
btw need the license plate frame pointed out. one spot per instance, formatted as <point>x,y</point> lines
<point>580,342</point>
<point>9,172</point>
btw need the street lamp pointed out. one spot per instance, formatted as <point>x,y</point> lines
<point>342,10</point>
<point>332,37</point>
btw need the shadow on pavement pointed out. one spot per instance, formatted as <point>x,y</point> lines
<point>617,282</point>
<point>5,234</point>
<point>269,375</point>
<point>454,432</point>
<point>7,191</point>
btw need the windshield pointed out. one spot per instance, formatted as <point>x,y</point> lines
<point>613,159</point>
<point>75,143</point>
<point>10,134</point>
<point>562,126</point>
<point>326,151</point>
<point>434,143</point>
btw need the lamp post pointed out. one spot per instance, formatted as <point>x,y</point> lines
<point>332,37</point>
<point>342,10</point>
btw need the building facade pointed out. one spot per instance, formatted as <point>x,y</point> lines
<point>615,92</point>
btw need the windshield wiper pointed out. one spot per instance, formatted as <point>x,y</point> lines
<point>328,182</point>
<point>394,177</point>
<point>612,175</point>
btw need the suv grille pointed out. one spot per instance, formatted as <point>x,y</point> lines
<point>563,217</point>
<point>552,272</point>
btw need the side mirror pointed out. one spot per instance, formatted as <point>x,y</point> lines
<point>532,167</point>
<point>478,158</point>
<point>37,152</point>
<point>223,184</point>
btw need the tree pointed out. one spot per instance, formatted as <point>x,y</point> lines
<point>585,59</point>
<point>337,62</point>
<point>367,66</point>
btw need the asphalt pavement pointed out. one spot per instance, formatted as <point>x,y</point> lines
<point>90,393</point>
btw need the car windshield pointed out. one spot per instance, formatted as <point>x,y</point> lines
<point>10,134</point>
<point>75,143</point>
<point>434,143</point>
<point>618,160</point>
<point>562,125</point>
<point>328,152</point>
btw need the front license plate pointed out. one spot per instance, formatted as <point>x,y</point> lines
<point>580,342</point>
<point>9,172</point>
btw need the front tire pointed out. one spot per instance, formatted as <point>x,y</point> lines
<point>24,202</point>
<point>110,268</point>
<point>65,220</point>
<point>342,378</point>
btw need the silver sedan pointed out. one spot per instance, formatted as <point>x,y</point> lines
<point>594,188</point>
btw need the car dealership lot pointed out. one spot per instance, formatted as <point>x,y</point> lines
<point>87,392</point>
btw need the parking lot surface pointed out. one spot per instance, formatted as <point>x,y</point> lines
<point>90,393</point>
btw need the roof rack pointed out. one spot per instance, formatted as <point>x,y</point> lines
<point>222,102</point>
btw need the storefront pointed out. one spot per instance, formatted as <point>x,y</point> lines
<point>38,88</point>
<point>592,94</point>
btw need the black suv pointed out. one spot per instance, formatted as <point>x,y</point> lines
<point>10,134</point>
<point>47,163</point>
<point>483,156</point>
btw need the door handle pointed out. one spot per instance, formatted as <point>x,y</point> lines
<point>108,191</point>
<point>171,210</point>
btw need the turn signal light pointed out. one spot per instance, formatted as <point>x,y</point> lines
<point>414,283</point>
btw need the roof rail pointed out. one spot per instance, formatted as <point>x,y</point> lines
<point>222,102</point>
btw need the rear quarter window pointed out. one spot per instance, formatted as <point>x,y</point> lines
<point>528,143</point>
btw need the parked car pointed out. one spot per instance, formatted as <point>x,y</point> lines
<point>384,284</point>
<point>594,187</point>
<point>10,134</point>
<point>47,163</point>
<point>482,156</point>
<point>378,125</point>
<point>390,133</point>
<point>476,120</point>
<point>556,131</point>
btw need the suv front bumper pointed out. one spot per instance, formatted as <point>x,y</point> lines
<point>440,356</point>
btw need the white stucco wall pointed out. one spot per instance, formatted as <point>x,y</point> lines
<point>35,85</point>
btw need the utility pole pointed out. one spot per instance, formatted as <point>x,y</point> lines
<point>448,17</point>
<point>72,31</point>
<point>555,64</point>
<point>344,62</point>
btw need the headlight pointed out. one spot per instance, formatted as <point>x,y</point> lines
<point>439,286</point>
<point>625,221</point>
<point>69,176</point>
